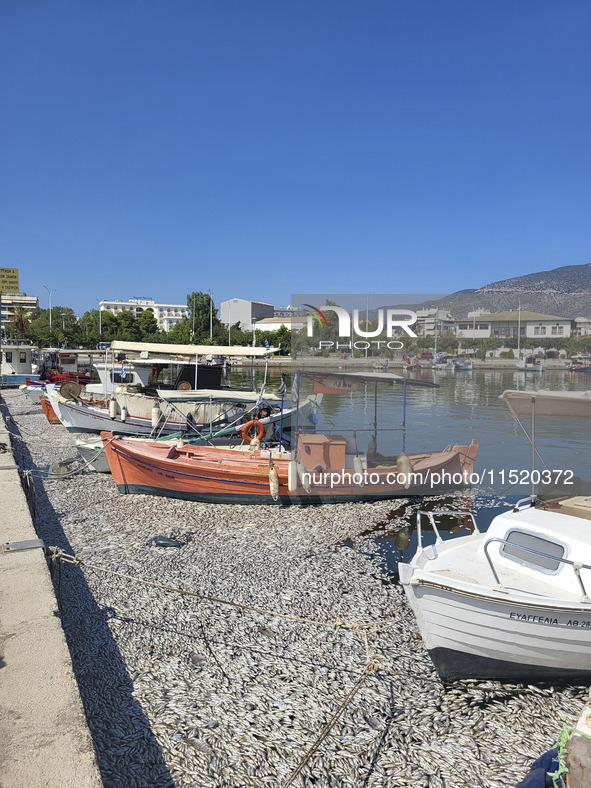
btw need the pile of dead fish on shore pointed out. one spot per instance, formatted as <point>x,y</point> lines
<point>185,690</point>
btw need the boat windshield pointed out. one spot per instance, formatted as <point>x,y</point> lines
<point>524,539</point>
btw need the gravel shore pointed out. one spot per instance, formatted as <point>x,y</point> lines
<point>182,691</point>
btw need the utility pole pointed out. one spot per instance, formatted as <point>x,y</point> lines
<point>210,317</point>
<point>193,335</point>
<point>53,290</point>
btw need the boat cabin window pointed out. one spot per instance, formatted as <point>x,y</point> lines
<point>22,357</point>
<point>129,378</point>
<point>8,356</point>
<point>533,542</point>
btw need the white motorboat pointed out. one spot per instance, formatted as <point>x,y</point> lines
<point>460,363</point>
<point>530,364</point>
<point>510,604</point>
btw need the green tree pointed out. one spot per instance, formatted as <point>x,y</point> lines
<point>128,329</point>
<point>66,330</point>
<point>283,340</point>
<point>148,325</point>
<point>180,333</point>
<point>201,311</point>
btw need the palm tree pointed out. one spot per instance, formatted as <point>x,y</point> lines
<point>20,320</point>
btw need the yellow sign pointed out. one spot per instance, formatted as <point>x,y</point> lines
<point>9,280</point>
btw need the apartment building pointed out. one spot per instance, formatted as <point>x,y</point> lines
<point>167,315</point>
<point>10,301</point>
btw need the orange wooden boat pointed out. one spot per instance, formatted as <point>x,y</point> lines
<point>48,410</point>
<point>326,473</point>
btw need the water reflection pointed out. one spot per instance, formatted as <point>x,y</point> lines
<point>465,406</point>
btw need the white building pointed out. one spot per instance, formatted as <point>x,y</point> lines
<point>531,325</point>
<point>433,321</point>
<point>581,327</point>
<point>273,323</point>
<point>9,302</point>
<point>167,315</point>
<point>247,313</point>
<point>475,326</point>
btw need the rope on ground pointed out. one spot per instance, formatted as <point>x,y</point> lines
<point>29,488</point>
<point>56,554</point>
<point>369,668</point>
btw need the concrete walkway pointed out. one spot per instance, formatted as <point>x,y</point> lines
<point>44,739</point>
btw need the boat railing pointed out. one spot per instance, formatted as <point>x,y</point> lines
<point>576,565</point>
<point>519,505</point>
<point>431,517</point>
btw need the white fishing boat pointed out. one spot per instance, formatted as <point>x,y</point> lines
<point>206,413</point>
<point>460,363</point>
<point>530,364</point>
<point>17,364</point>
<point>510,604</point>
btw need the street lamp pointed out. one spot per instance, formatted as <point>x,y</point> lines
<point>100,319</point>
<point>53,290</point>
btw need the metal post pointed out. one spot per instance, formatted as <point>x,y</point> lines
<point>404,416</point>
<point>296,404</point>
<point>196,368</point>
<point>375,413</point>
<point>533,445</point>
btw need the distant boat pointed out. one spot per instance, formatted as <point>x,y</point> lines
<point>460,363</point>
<point>577,365</point>
<point>530,364</point>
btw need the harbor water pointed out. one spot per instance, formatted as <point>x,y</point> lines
<point>220,662</point>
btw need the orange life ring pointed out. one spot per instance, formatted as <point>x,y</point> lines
<point>247,428</point>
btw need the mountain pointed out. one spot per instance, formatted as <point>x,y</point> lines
<point>565,292</point>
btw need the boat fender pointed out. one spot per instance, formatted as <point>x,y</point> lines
<point>359,469</point>
<point>304,477</point>
<point>124,413</point>
<point>254,424</point>
<point>112,408</point>
<point>273,481</point>
<point>404,466</point>
<point>156,413</point>
<point>292,476</point>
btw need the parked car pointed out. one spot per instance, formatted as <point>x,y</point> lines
<point>426,355</point>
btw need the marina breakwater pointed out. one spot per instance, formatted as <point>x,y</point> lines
<point>292,660</point>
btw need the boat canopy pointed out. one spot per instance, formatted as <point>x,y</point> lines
<point>216,395</point>
<point>191,350</point>
<point>554,404</point>
<point>374,377</point>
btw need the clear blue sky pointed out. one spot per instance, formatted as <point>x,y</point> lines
<point>261,148</point>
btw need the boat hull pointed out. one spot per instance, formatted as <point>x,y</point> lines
<point>482,637</point>
<point>217,475</point>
